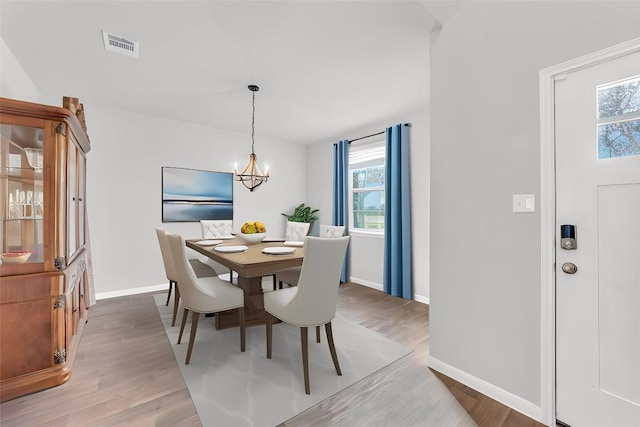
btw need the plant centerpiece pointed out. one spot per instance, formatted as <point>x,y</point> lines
<point>302,214</point>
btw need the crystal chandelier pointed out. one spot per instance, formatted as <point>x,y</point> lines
<point>252,176</point>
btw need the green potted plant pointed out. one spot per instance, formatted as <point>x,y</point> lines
<point>302,214</point>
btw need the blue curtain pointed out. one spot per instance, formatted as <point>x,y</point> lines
<point>340,193</point>
<point>397,216</point>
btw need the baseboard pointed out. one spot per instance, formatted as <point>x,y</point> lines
<point>366,283</point>
<point>132,291</point>
<point>488,389</point>
<point>420,298</point>
<point>379,287</point>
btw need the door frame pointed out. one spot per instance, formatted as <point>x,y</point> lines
<point>547,214</point>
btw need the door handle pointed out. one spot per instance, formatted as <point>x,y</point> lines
<point>569,268</point>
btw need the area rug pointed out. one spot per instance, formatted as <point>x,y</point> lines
<point>231,388</point>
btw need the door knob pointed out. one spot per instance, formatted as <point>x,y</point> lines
<point>569,268</point>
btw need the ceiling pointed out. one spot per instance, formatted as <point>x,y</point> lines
<point>324,68</point>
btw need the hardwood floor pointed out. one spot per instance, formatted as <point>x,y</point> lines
<point>125,373</point>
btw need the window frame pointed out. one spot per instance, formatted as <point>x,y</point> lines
<point>373,146</point>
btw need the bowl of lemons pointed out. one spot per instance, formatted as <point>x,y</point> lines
<point>253,232</point>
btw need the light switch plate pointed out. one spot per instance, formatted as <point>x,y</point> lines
<point>524,203</point>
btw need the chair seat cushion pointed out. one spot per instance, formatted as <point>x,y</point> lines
<point>226,296</point>
<point>276,304</point>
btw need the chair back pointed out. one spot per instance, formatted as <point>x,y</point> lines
<point>216,228</point>
<point>296,231</point>
<point>331,231</point>
<point>193,298</point>
<point>167,259</point>
<point>317,291</point>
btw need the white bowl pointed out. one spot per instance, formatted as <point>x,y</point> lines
<point>251,239</point>
<point>17,257</point>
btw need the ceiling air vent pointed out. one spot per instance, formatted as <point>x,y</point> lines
<point>120,45</point>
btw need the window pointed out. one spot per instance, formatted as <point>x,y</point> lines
<point>619,119</point>
<point>366,169</point>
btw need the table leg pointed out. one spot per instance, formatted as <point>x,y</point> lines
<point>254,313</point>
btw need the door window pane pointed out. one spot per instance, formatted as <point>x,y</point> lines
<point>619,99</point>
<point>619,119</point>
<point>619,139</point>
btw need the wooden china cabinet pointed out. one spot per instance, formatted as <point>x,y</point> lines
<point>46,283</point>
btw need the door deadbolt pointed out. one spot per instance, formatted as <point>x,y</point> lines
<point>568,237</point>
<point>569,268</point>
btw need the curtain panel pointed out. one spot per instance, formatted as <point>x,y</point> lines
<point>397,217</point>
<point>340,215</point>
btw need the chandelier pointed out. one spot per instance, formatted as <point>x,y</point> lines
<point>252,176</point>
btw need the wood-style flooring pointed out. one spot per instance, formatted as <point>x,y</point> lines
<point>125,373</point>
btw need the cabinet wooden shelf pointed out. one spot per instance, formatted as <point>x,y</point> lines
<point>46,281</point>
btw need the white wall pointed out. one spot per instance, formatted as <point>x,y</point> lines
<point>485,260</point>
<point>366,251</point>
<point>14,82</point>
<point>124,187</point>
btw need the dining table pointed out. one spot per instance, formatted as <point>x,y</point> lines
<point>251,265</point>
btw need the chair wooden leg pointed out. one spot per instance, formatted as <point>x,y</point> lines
<point>176,303</point>
<point>242,327</point>
<point>169,293</point>
<point>269,323</point>
<point>184,321</point>
<point>280,283</point>
<point>195,316</point>
<point>332,348</point>
<point>317,333</point>
<point>304,335</point>
<point>274,283</point>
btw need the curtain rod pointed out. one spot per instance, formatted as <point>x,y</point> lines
<point>373,134</point>
<point>368,136</point>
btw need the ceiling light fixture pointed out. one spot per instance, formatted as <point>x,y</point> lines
<point>252,176</point>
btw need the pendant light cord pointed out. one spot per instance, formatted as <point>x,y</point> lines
<point>253,122</point>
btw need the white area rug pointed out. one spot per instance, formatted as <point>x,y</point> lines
<point>231,388</point>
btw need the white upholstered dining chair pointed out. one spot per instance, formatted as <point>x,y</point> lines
<point>212,229</point>
<point>169,269</point>
<point>200,269</point>
<point>331,231</point>
<point>296,231</point>
<point>291,275</point>
<point>217,229</point>
<point>203,295</point>
<point>313,301</point>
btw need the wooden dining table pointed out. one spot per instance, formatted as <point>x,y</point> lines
<point>251,266</point>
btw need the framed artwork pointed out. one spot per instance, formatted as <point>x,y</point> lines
<point>189,195</point>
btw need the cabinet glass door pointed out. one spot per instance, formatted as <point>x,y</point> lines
<point>72,200</point>
<point>21,196</point>
<point>81,198</point>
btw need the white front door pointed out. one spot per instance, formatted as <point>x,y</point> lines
<point>597,145</point>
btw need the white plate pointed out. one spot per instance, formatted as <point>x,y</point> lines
<point>231,249</point>
<point>278,250</point>
<point>229,237</point>
<point>294,243</point>
<point>208,242</point>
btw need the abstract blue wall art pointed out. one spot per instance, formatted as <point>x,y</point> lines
<point>189,195</point>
